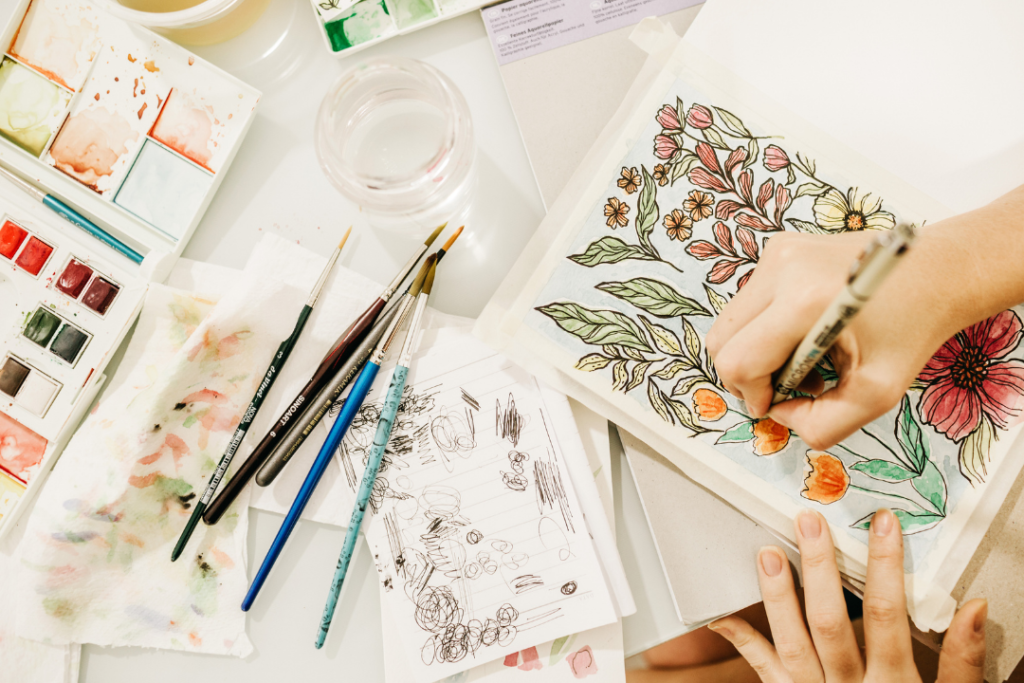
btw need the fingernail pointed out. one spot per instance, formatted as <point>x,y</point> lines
<point>810,525</point>
<point>721,629</point>
<point>881,524</point>
<point>980,617</point>
<point>771,563</point>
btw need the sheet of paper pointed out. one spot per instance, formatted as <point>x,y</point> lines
<point>662,224</point>
<point>906,128</point>
<point>593,430</point>
<point>480,542</point>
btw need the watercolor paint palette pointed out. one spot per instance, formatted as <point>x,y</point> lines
<point>348,26</point>
<point>64,309</point>
<point>117,121</point>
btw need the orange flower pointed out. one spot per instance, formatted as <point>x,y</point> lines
<point>661,174</point>
<point>699,204</point>
<point>708,405</point>
<point>678,226</point>
<point>827,481</point>
<point>630,180</point>
<point>769,437</point>
<point>616,212</point>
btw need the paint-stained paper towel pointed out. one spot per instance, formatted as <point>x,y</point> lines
<point>95,559</point>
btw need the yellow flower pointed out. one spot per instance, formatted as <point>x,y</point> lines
<point>678,225</point>
<point>836,212</point>
<point>699,204</point>
<point>616,212</point>
<point>630,180</point>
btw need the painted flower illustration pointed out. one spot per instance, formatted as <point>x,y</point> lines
<point>616,212</point>
<point>678,225</point>
<point>969,378</point>
<point>661,175</point>
<point>665,147</point>
<point>582,662</point>
<point>836,212</point>
<point>775,158</point>
<point>699,117</point>
<point>668,118</point>
<point>699,204</point>
<point>630,180</point>
<point>709,405</point>
<point>769,437</point>
<point>827,481</point>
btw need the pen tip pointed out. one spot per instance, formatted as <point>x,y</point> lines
<point>451,240</point>
<point>417,284</point>
<point>433,235</point>
<point>344,239</point>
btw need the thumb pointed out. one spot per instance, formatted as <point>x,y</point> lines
<point>963,649</point>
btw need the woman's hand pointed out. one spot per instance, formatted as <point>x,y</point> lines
<point>824,649</point>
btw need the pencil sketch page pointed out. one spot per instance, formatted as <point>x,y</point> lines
<point>477,534</point>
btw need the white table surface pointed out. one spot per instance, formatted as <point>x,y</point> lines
<point>275,185</point>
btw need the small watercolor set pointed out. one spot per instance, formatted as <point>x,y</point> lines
<point>349,26</point>
<point>133,131</point>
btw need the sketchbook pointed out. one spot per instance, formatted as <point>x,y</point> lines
<point>661,225</point>
<point>482,546</point>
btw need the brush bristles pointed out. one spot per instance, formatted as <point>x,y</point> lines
<point>341,244</point>
<point>428,284</point>
<point>421,276</point>
<point>433,235</point>
<point>451,240</point>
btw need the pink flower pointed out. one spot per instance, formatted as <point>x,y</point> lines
<point>665,147</point>
<point>668,118</point>
<point>967,380</point>
<point>582,662</point>
<point>775,158</point>
<point>699,117</point>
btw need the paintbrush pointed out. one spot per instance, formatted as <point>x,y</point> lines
<point>283,454</point>
<point>65,211</point>
<point>353,403</point>
<point>380,441</point>
<point>328,367</point>
<point>276,365</point>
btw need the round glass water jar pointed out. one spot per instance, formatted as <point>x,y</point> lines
<point>394,136</point>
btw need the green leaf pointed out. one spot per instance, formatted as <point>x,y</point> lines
<point>911,522</point>
<point>932,486</point>
<point>654,296</point>
<point>636,378</point>
<point>596,327</point>
<point>805,226</point>
<point>811,188</point>
<point>632,353</point>
<point>717,301</point>
<point>740,433</point>
<point>592,361</point>
<point>753,149</point>
<point>665,339</point>
<point>657,402</point>
<point>912,440</point>
<point>974,452</point>
<point>733,123</point>
<point>692,341</point>
<point>714,138</point>
<point>610,250</point>
<point>673,369</point>
<point>620,375</point>
<point>686,385</point>
<point>883,470</point>
<point>790,175</point>
<point>647,212</point>
<point>683,166</point>
<point>827,370</point>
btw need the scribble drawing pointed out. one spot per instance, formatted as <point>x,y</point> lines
<point>453,434</point>
<point>470,401</point>
<point>473,537</point>
<point>516,479</point>
<point>568,588</point>
<point>438,612</point>
<point>696,200</point>
<point>508,423</point>
<point>551,492</point>
<point>526,582</point>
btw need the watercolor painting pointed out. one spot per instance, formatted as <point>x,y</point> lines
<point>21,449</point>
<point>679,230</point>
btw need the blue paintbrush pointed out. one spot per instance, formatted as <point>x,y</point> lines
<point>380,442</point>
<point>353,403</point>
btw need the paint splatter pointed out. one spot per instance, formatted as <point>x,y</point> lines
<point>582,662</point>
<point>151,66</point>
<point>142,109</point>
<point>191,60</point>
<point>90,143</point>
<point>130,58</point>
<point>186,127</point>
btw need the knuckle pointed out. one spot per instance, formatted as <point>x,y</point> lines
<point>882,611</point>
<point>973,657</point>
<point>792,653</point>
<point>830,626</point>
<point>815,561</point>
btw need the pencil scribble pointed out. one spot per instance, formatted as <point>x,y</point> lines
<point>508,422</point>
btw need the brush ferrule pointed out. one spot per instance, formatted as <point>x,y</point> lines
<point>318,288</point>
<point>25,185</point>
<point>381,352</point>
<point>404,273</point>
<point>414,327</point>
